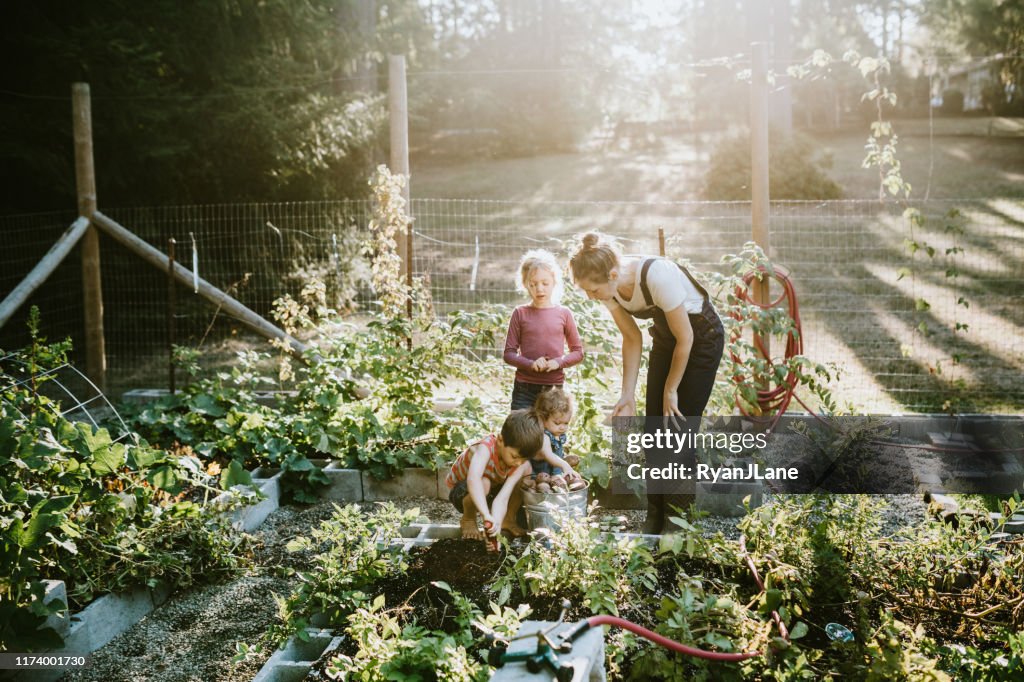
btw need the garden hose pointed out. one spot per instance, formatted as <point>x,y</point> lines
<point>594,621</point>
<point>772,400</point>
<point>783,630</point>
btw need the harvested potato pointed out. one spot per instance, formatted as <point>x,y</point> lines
<point>578,484</point>
<point>543,477</point>
<point>528,484</point>
<point>558,481</point>
<point>543,488</point>
<point>572,460</point>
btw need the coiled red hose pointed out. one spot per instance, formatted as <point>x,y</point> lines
<point>772,400</point>
<point>595,621</point>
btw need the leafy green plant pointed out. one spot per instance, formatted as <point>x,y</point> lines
<point>348,553</point>
<point>391,647</point>
<point>579,561</point>
<point>77,506</point>
<point>1002,663</point>
<point>745,370</point>
<point>691,614</point>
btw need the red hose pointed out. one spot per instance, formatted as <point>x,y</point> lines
<point>594,621</point>
<point>772,400</point>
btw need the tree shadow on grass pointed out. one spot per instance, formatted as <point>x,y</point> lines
<point>911,381</point>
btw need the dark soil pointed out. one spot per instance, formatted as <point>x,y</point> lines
<point>464,565</point>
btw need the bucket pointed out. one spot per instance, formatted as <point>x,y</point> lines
<point>545,510</point>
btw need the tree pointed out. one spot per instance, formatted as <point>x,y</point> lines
<point>224,100</point>
<point>988,29</point>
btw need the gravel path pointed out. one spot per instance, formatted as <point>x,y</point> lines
<point>192,637</point>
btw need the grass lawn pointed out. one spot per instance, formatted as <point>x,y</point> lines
<point>961,159</point>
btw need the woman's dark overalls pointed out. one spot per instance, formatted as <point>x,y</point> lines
<point>705,354</point>
<point>693,393</point>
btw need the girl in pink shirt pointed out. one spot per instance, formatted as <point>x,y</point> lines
<point>540,333</point>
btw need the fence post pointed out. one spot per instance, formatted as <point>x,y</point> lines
<point>398,108</point>
<point>85,184</point>
<point>782,98</point>
<point>661,242</point>
<point>171,312</point>
<point>760,211</point>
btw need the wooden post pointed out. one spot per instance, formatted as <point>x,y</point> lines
<point>43,269</point>
<point>398,108</point>
<point>85,182</point>
<point>782,98</point>
<point>759,200</point>
<point>661,242</point>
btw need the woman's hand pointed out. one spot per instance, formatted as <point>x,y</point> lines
<point>539,365</point>
<point>670,405</point>
<point>626,407</point>
<point>551,365</point>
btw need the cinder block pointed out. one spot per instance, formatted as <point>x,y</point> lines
<point>1015,525</point>
<point>411,482</point>
<point>61,621</point>
<point>442,531</point>
<point>142,396</point>
<point>345,485</point>
<point>293,662</point>
<point>250,516</point>
<point>442,487</point>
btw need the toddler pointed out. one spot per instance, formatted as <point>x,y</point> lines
<point>554,410</point>
<point>539,333</point>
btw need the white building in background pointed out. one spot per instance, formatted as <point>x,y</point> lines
<point>970,79</point>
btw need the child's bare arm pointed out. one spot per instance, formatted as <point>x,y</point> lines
<point>475,480</point>
<point>501,500</point>
<point>554,460</point>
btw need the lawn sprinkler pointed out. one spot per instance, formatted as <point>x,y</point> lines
<point>543,655</point>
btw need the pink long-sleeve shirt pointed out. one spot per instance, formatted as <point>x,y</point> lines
<point>542,333</point>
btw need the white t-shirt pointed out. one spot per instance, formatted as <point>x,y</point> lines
<point>669,289</point>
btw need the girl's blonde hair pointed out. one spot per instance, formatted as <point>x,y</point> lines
<point>594,258</point>
<point>535,259</point>
<point>551,402</point>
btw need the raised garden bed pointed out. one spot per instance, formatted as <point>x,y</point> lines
<point>111,614</point>
<point>97,624</point>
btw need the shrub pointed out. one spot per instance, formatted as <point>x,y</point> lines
<point>796,171</point>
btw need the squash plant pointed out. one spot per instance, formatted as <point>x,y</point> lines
<point>79,507</point>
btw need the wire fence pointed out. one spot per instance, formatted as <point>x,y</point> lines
<point>887,319</point>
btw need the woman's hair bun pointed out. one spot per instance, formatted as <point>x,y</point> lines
<point>590,240</point>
